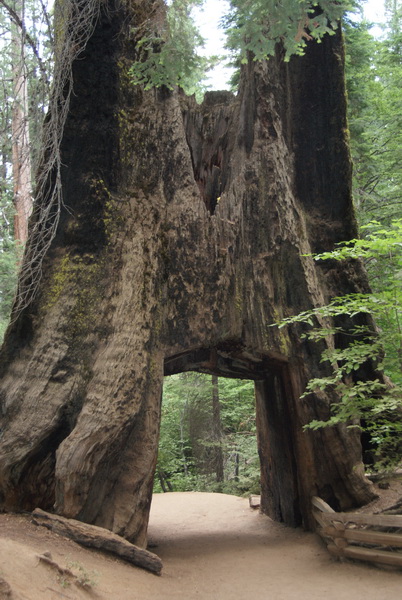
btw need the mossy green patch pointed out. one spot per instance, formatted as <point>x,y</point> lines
<point>78,282</point>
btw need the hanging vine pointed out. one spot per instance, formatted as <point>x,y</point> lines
<point>74,25</point>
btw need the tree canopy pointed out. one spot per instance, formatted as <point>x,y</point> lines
<point>253,28</point>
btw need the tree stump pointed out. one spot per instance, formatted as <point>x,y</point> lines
<point>185,234</point>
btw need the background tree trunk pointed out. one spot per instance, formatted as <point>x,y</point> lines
<point>150,274</point>
<point>217,429</point>
<point>20,133</point>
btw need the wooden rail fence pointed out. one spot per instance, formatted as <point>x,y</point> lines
<point>372,538</point>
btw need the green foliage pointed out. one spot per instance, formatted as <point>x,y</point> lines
<point>187,448</point>
<point>82,577</point>
<point>170,57</point>
<point>8,256</point>
<point>376,403</point>
<point>374,83</point>
<point>256,26</point>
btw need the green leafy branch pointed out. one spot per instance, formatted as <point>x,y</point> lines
<point>372,405</point>
<point>170,57</point>
<point>256,26</point>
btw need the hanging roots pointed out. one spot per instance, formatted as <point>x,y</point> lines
<point>75,21</point>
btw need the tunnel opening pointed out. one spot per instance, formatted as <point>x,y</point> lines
<point>269,468</point>
<point>208,438</point>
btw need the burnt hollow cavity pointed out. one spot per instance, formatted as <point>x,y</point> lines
<point>207,131</point>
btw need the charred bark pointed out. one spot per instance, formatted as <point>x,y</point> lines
<point>183,237</point>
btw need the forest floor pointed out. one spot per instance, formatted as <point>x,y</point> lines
<point>213,546</point>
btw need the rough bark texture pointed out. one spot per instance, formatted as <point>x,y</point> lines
<point>183,238</point>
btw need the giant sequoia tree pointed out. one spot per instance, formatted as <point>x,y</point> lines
<point>183,234</point>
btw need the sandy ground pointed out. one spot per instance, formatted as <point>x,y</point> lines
<point>213,547</point>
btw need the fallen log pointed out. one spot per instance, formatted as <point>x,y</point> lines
<point>92,536</point>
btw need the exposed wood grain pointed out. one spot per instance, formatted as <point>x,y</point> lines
<point>321,505</point>
<point>92,536</point>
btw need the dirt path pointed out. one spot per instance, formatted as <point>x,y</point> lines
<point>214,547</point>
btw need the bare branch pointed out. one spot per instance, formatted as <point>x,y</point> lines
<point>48,23</point>
<point>20,23</point>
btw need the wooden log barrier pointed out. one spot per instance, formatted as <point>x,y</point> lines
<point>351,535</point>
<point>321,505</point>
<point>364,519</point>
<point>319,509</point>
<point>92,536</point>
<point>367,555</point>
<point>367,536</point>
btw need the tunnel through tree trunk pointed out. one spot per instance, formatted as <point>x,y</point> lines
<point>148,272</point>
